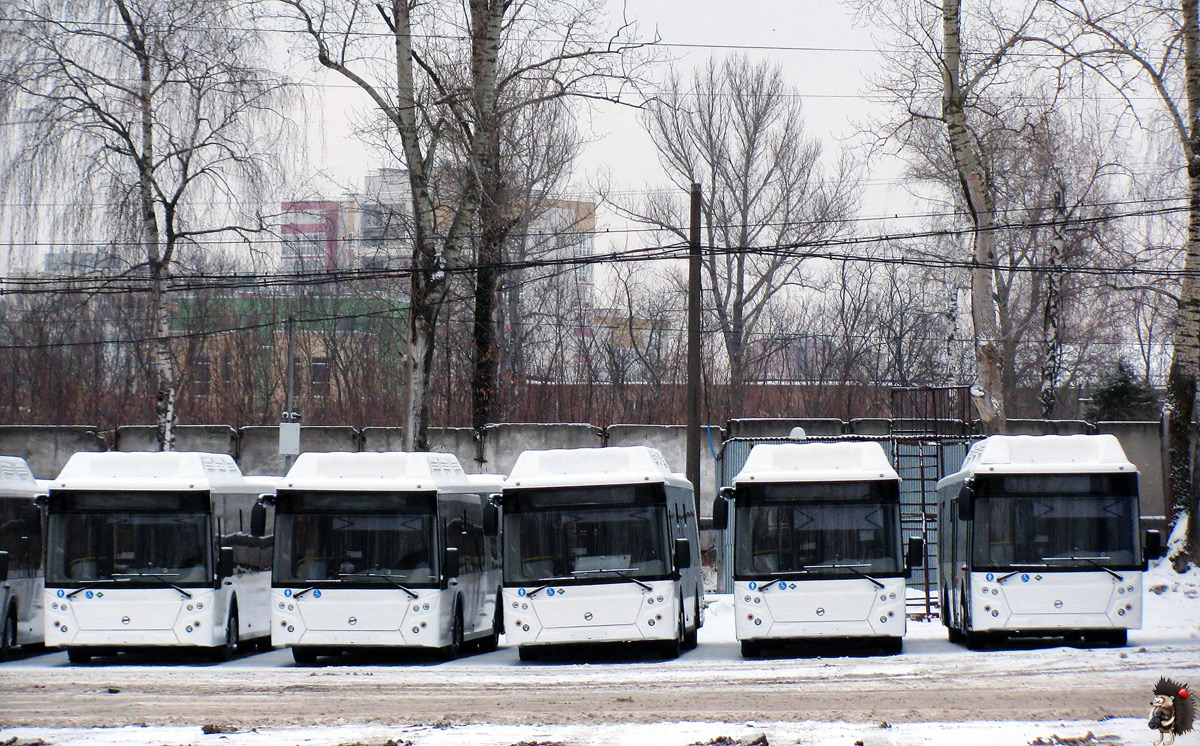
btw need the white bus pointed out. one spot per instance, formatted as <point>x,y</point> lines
<point>600,545</point>
<point>817,545</point>
<point>21,569</point>
<point>156,550</point>
<point>385,550</point>
<point>1039,536</point>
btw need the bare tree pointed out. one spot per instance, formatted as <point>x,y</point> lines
<point>942,77</point>
<point>145,116</point>
<point>457,83</point>
<point>1131,45</point>
<point>736,129</point>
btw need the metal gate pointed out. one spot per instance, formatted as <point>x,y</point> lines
<point>920,460</point>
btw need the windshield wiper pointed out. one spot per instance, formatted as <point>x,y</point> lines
<point>160,577</point>
<point>298,594</point>
<point>86,586</point>
<point>782,576</point>
<point>389,578</point>
<point>1014,573</point>
<point>541,588</point>
<point>623,572</point>
<point>1094,561</point>
<point>852,568</point>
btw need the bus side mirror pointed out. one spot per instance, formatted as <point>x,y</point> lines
<point>683,554</point>
<point>720,513</point>
<point>451,562</point>
<point>258,519</point>
<point>225,562</point>
<point>966,503</point>
<point>916,553</point>
<point>3,567</point>
<point>491,519</point>
<point>1154,545</point>
<point>720,520</point>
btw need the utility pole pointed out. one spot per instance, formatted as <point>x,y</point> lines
<point>289,428</point>
<point>693,350</point>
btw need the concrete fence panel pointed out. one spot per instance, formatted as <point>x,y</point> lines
<point>46,448</point>
<point>782,427</point>
<point>258,453</point>
<point>502,444</point>
<point>199,438</point>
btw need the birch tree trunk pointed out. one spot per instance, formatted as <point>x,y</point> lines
<point>988,393</point>
<point>1185,360</point>
<point>160,317</point>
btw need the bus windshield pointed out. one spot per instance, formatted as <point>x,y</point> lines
<point>318,539</point>
<point>1077,521</point>
<point>585,534</point>
<point>86,547</point>
<point>817,529</point>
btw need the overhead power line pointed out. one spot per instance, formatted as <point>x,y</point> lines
<point>817,249</point>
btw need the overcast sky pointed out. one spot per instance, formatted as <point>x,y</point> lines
<point>823,53</point>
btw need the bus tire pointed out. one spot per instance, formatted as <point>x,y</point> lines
<point>956,635</point>
<point>79,656</point>
<point>8,636</point>
<point>492,641</point>
<point>672,649</point>
<point>692,638</point>
<point>229,650</point>
<point>1117,638</point>
<point>304,656</point>
<point>454,649</point>
<point>977,640</point>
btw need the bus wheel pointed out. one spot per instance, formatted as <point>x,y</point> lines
<point>304,656</point>
<point>1117,638</point>
<point>79,656</point>
<point>955,634</point>
<point>977,640</point>
<point>8,637</point>
<point>691,639</point>
<point>492,641</point>
<point>228,651</point>
<point>674,648</point>
<point>454,649</point>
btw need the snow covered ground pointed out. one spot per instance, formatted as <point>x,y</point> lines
<point>1168,644</point>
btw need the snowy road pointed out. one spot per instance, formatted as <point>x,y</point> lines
<point>931,681</point>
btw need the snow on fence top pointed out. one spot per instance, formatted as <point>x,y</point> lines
<point>169,470</point>
<point>380,472</point>
<point>816,462</point>
<point>578,467</point>
<point>1043,454</point>
<point>16,478</point>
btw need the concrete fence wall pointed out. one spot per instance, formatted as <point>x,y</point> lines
<point>47,448</point>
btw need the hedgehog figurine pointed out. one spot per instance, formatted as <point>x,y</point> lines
<point>1172,711</point>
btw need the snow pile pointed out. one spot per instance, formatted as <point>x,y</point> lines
<point>1172,602</point>
<point>1086,733</point>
